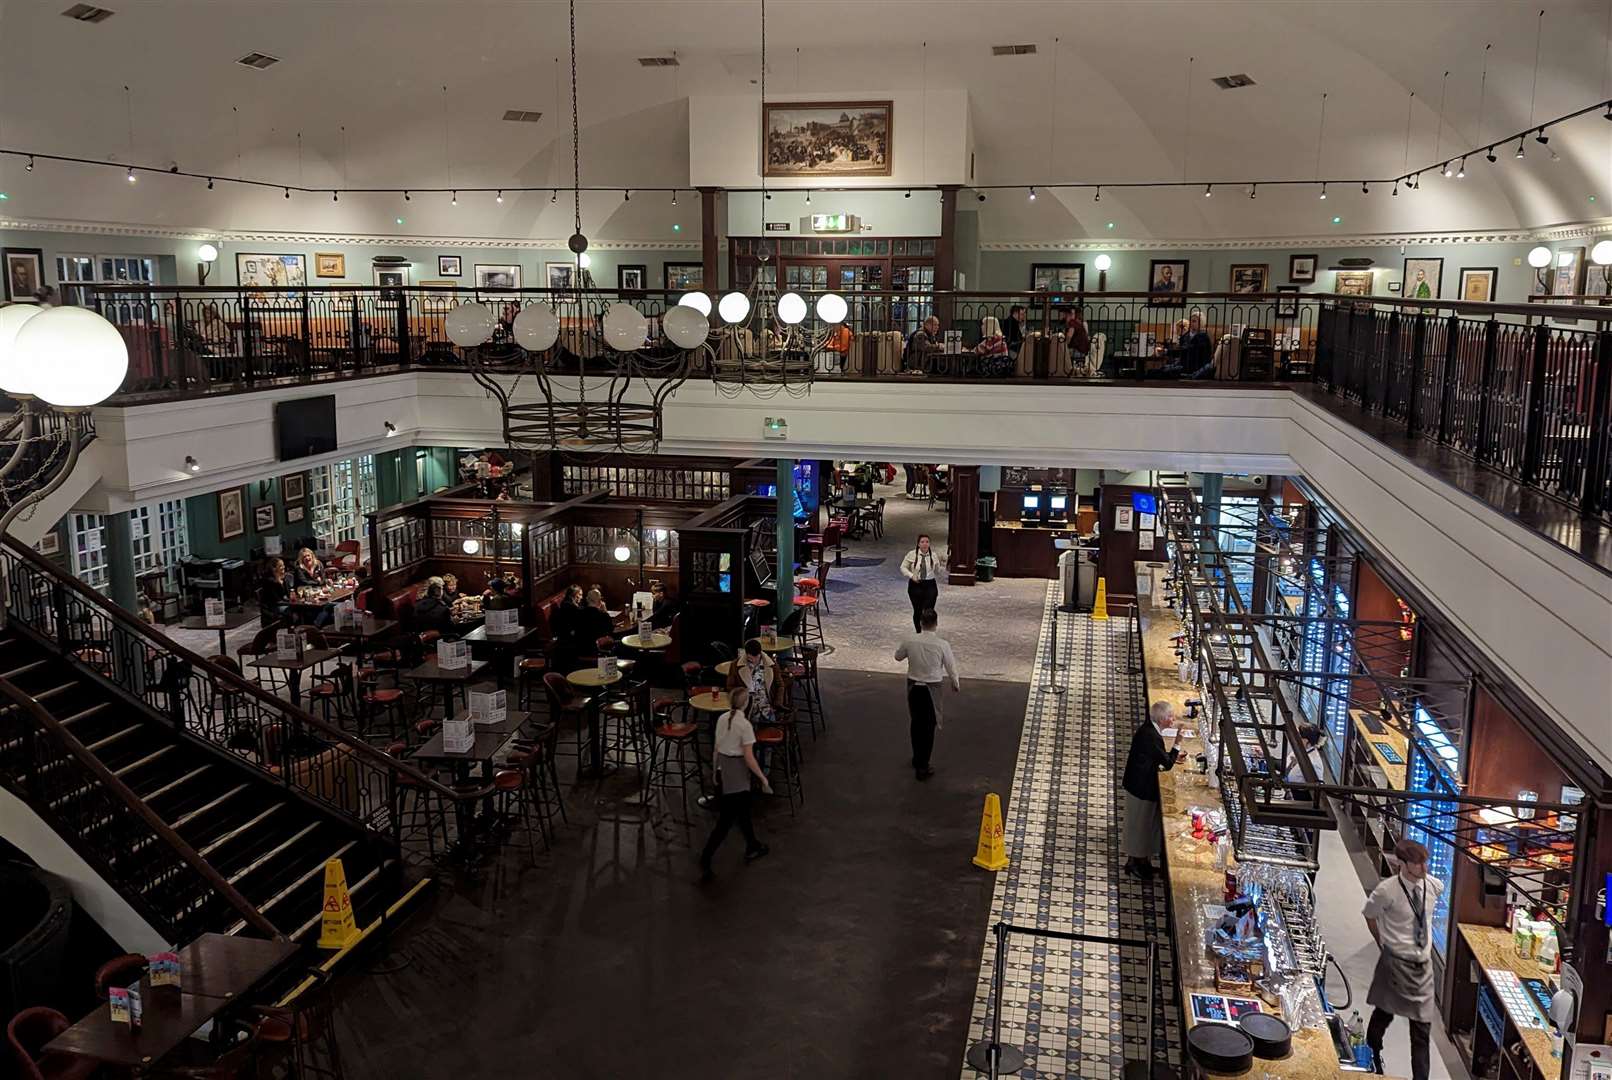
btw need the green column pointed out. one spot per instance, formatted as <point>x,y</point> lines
<point>786,536</point>
<point>120,560</point>
<point>1214,485</point>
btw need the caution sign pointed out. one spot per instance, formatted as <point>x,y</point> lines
<point>992,852</point>
<point>337,927</point>
<point>1099,607</point>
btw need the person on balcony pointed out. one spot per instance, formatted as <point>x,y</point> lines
<point>924,343</point>
<point>1193,355</point>
<point>1075,334</point>
<point>993,348</point>
<point>1013,330</point>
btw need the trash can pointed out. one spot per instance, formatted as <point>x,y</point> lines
<point>985,568</point>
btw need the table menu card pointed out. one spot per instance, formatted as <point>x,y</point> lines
<point>214,611</point>
<point>452,655</point>
<point>458,736</point>
<point>488,707</point>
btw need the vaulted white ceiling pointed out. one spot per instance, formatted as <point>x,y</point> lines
<point>1106,100</point>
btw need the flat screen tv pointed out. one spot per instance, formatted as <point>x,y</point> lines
<point>305,427</point>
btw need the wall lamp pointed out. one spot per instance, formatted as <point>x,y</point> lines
<point>391,429</point>
<point>191,464</point>
<point>206,256</point>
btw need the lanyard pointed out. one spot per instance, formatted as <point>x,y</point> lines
<point>1418,906</point>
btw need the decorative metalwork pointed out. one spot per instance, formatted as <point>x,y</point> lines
<point>39,447</point>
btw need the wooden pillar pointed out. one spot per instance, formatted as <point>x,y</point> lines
<point>710,206</point>
<point>946,264</point>
<point>963,530</point>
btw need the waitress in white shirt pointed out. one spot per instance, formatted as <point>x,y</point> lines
<point>734,763</point>
<point>922,571</point>
<point>1399,913</point>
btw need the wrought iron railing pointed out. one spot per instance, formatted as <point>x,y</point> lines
<point>314,760</point>
<point>85,803</point>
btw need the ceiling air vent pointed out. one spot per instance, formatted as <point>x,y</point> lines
<point>1012,50</point>
<point>522,116</point>
<point>1233,82</point>
<point>88,13</point>
<point>258,60</point>
<point>658,61</point>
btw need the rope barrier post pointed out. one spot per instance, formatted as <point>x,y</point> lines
<point>990,1056</point>
<point>1051,665</point>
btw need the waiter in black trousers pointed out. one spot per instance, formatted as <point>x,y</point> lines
<point>930,664</point>
<point>923,587</point>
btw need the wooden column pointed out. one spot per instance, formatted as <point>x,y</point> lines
<point>710,232</point>
<point>946,263</point>
<point>963,533</point>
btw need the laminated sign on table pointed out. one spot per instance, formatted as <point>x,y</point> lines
<point>288,645</point>
<point>488,707</point>
<point>458,736</point>
<point>452,655</point>
<point>347,616</point>
<point>214,611</point>
<point>506,621</point>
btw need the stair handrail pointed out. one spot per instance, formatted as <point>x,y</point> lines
<point>225,677</point>
<point>138,806</point>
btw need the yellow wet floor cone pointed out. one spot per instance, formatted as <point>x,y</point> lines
<point>337,927</point>
<point>991,854</point>
<point>1099,607</point>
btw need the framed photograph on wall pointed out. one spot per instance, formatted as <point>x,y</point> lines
<point>25,273</point>
<point>1568,277</point>
<point>1287,301</point>
<point>561,275</point>
<point>835,139</point>
<point>1422,278</point>
<point>632,277</point>
<point>498,276</point>
<point>1166,276</point>
<point>1301,268</point>
<point>449,266</point>
<point>1058,277</point>
<point>1477,283</point>
<point>1250,278</point>
<point>329,264</point>
<point>50,543</point>
<point>263,517</point>
<point>293,488</point>
<point>684,275</point>
<point>231,513</point>
<point>294,514</point>
<point>1352,282</point>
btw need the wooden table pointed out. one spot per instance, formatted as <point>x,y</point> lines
<point>233,620</point>
<point>368,629</point>
<point>590,679</point>
<point>332,598</point>
<point>294,668</point>
<point>657,639</point>
<point>777,645</point>
<point>1491,949</point>
<point>486,741</point>
<point>491,646</point>
<point>223,965</point>
<point>712,701</point>
<point>446,678</point>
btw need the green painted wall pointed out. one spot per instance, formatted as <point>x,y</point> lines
<point>201,518</point>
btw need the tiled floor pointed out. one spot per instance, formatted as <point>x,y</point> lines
<point>1076,1010</point>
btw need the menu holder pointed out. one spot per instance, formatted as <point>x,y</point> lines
<point>769,634</point>
<point>288,645</point>
<point>213,610</point>
<point>458,736</point>
<point>645,631</point>
<point>347,616</point>
<point>604,666</point>
<point>488,706</point>
<point>506,621</point>
<point>163,969</point>
<point>453,655</point>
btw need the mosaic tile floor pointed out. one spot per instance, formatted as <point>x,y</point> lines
<point>1076,1010</point>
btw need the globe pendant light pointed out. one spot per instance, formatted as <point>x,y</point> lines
<point>696,300</point>
<point>791,309</point>
<point>733,308</point>
<point>15,376</point>
<point>625,327</point>
<point>77,358</point>
<point>469,325</point>
<point>686,327</point>
<point>537,328</point>
<point>832,309</point>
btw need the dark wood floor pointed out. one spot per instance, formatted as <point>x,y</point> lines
<point>1588,538</point>
<point>851,951</point>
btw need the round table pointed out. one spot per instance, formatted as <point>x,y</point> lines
<point>711,702</point>
<point>725,668</point>
<point>656,640</point>
<point>777,645</point>
<point>589,678</point>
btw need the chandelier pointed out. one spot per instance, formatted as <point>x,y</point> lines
<point>55,363</point>
<point>599,378</point>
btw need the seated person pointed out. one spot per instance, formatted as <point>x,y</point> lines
<point>664,609</point>
<point>993,348</point>
<point>308,571</point>
<point>450,588</point>
<point>1013,330</point>
<point>273,592</point>
<point>1075,334</point>
<point>756,672</point>
<point>566,627</point>
<point>431,612</point>
<point>497,597</point>
<point>924,343</point>
<point>595,621</point>
<point>1193,355</point>
<point>839,343</point>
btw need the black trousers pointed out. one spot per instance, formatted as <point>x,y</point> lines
<point>1420,1032</point>
<point>921,706</point>
<point>731,810</point>
<point>922,595</point>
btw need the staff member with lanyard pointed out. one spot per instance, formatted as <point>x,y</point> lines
<point>923,587</point>
<point>1399,913</point>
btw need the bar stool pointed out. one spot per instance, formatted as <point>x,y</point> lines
<point>565,702</point>
<point>529,672</point>
<point>782,741</point>
<point>674,754</point>
<point>625,719</point>
<point>815,584</point>
<point>516,797</point>
<point>804,694</point>
<point>415,801</point>
<point>545,776</point>
<point>811,621</point>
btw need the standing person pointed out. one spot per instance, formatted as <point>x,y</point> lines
<point>758,674</point>
<point>923,587</point>
<point>929,664</point>
<point>1399,914</point>
<point>733,763</point>
<point>1143,829</point>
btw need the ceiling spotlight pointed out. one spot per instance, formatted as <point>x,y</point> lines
<point>30,163</point>
<point>406,196</point>
<point>288,193</point>
<point>209,183</point>
<point>674,196</point>
<point>1446,172</point>
<point>499,199</point>
<point>1519,149</point>
<point>1608,115</point>
<point>626,195</point>
<point>767,195</point>
<point>1460,171</point>
<point>1542,139</point>
<point>132,177</point>
<point>455,200</point>
<point>1490,155</point>
<point>809,196</point>
<point>391,429</point>
<point>1396,188</point>
<point>981,196</point>
<point>1323,191</point>
<point>1253,191</point>
<point>908,195</point>
<point>192,464</point>
<point>1208,190</point>
<point>335,196</point>
<point>1032,194</point>
<point>554,196</point>
<point>1098,197</point>
<point>1365,188</point>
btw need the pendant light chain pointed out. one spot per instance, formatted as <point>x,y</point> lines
<point>1483,92</point>
<point>1438,140</point>
<point>1320,134</point>
<point>1410,104</point>
<point>1186,153</point>
<point>576,135</point>
<point>1539,34</point>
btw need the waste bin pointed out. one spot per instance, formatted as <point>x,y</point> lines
<point>985,568</point>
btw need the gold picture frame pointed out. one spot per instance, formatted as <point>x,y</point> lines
<point>329,264</point>
<point>808,138</point>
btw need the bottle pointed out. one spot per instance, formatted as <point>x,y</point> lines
<point>1357,1041</point>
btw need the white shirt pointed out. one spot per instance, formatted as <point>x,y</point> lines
<point>919,566</point>
<point>1390,905</point>
<point>929,659</point>
<point>734,733</point>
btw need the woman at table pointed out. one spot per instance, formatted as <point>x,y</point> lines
<point>733,763</point>
<point>993,348</point>
<point>274,592</point>
<point>450,589</point>
<point>757,674</point>
<point>922,571</point>
<point>308,573</point>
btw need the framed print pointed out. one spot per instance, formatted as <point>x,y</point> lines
<point>1058,277</point>
<point>1250,277</point>
<point>391,277</point>
<point>498,276</point>
<point>294,514</point>
<point>561,275</point>
<point>1287,301</point>
<point>25,274</point>
<point>1567,279</point>
<point>438,290</point>
<point>329,264</point>
<point>1477,283</point>
<point>271,272</point>
<point>231,513</point>
<point>631,277</point>
<point>1301,268</point>
<point>449,266</point>
<point>263,517</point>
<point>1393,286</point>
<point>293,488</point>
<point>833,139</point>
<point>50,543</point>
<point>1352,282</point>
<point>1422,278</point>
<point>1166,276</point>
<point>684,275</point>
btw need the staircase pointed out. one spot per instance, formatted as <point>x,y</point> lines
<point>206,803</point>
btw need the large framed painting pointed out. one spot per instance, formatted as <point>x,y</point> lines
<point>684,275</point>
<point>329,264</point>
<point>1568,278</point>
<point>1250,277</point>
<point>271,272</point>
<point>561,275</point>
<point>498,276</point>
<point>1166,276</point>
<point>1301,268</point>
<point>1477,283</point>
<point>1352,282</point>
<point>231,513</point>
<point>1422,278</point>
<point>1058,277</point>
<point>25,273</point>
<point>827,138</point>
<point>632,278</point>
